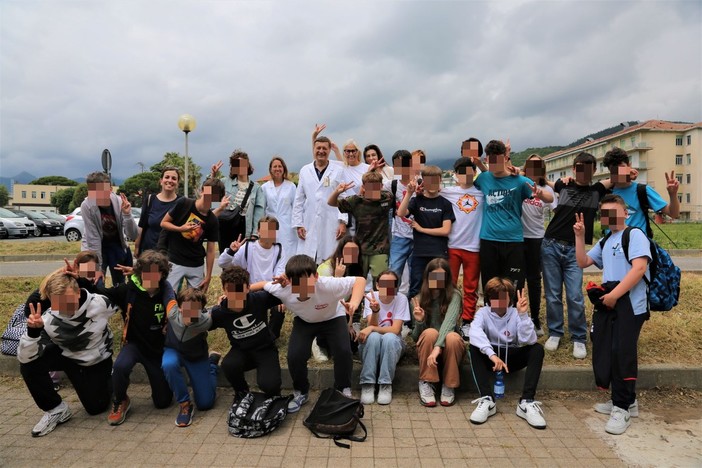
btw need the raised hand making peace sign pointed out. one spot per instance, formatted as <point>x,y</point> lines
<point>417,312</point>
<point>522,304</point>
<point>34,320</point>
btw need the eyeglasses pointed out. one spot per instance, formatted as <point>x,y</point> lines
<point>350,151</point>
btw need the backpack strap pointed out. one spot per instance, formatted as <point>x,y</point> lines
<point>643,203</point>
<point>625,247</point>
<point>393,189</point>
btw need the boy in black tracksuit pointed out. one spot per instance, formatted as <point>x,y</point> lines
<point>145,300</point>
<point>244,316</point>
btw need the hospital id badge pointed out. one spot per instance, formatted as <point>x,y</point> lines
<point>325,181</point>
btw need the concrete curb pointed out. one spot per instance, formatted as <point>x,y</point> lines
<point>552,377</point>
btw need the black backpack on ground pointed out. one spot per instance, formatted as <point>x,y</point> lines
<point>256,415</point>
<point>336,416</point>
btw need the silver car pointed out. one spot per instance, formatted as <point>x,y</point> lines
<point>16,225</point>
<point>74,229</point>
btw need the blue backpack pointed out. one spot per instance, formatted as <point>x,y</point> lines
<point>664,285</point>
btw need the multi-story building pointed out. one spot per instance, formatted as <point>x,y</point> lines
<point>655,147</point>
<point>34,197</point>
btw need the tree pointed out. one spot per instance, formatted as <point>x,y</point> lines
<point>62,200</point>
<point>176,160</point>
<point>54,180</point>
<point>140,185</point>
<point>4,196</point>
<point>81,191</point>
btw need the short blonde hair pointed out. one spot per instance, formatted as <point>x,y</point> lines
<point>372,177</point>
<point>431,171</point>
<point>57,283</point>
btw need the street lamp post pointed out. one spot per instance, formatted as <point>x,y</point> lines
<point>187,124</point>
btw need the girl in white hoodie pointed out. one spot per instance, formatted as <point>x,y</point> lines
<point>502,337</point>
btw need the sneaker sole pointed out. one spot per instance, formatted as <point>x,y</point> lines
<point>448,403</point>
<point>608,431</point>
<point>61,420</point>
<point>124,416</point>
<point>492,412</point>
<point>522,415</point>
<point>428,404</point>
<point>189,422</point>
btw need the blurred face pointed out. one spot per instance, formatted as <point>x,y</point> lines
<point>169,181</point>
<point>321,152</point>
<point>371,190</point>
<point>236,295</point>
<point>370,156</point>
<point>499,305</point>
<point>277,170</point>
<point>437,279</point>
<point>387,286</point>
<point>583,173</point>
<point>268,231</point>
<point>432,183</point>
<point>150,277</point>
<point>350,253</point>
<point>469,149</point>
<point>620,174</point>
<point>613,216</point>
<point>535,169</point>
<point>87,270</point>
<point>351,153</point>
<point>303,286</point>
<point>209,195</point>
<point>239,167</point>
<point>497,163</point>
<point>99,192</point>
<point>403,168</point>
<point>66,304</point>
<point>465,175</point>
<point>190,311</point>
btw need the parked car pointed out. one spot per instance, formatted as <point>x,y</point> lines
<point>74,229</point>
<point>17,226</point>
<point>45,225</point>
<point>58,217</point>
<point>3,231</point>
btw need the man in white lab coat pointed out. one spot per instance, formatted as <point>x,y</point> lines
<point>319,225</point>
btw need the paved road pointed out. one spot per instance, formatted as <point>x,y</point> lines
<point>44,268</point>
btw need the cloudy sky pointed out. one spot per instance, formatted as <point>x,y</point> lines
<point>80,76</point>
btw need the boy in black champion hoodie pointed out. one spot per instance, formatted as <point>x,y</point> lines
<point>243,314</point>
<point>145,300</point>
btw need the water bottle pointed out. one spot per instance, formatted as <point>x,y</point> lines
<point>499,389</point>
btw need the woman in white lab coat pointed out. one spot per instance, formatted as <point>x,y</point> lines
<point>280,195</point>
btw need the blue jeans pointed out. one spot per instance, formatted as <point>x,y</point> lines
<point>560,268</point>
<point>384,349</point>
<point>202,375</point>
<point>400,252</point>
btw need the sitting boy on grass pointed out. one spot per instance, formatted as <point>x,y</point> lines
<point>186,346</point>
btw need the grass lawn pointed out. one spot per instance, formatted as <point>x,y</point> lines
<point>48,247</point>
<point>669,337</point>
<point>685,235</point>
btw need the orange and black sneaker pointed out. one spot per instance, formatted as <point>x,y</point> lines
<point>119,412</point>
<point>185,415</point>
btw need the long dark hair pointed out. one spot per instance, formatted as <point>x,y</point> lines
<point>444,295</point>
<point>352,269</point>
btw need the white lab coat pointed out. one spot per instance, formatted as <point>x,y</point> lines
<point>312,211</point>
<point>279,203</point>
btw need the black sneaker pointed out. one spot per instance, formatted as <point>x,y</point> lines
<point>185,414</point>
<point>214,358</point>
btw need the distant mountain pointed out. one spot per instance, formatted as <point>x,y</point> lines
<point>23,177</point>
<point>519,157</point>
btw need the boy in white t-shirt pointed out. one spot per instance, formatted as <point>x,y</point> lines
<point>464,238</point>
<point>381,341</point>
<point>313,300</point>
<point>621,308</point>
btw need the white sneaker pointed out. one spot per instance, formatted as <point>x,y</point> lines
<point>579,350</point>
<point>619,421</point>
<point>552,343</point>
<point>347,392</point>
<point>448,396</point>
<point>298,400</point>
<point>465,330</point>
<point>486,408</point>
<point>385,394</point>
<point>606,408</point>
<point>531,411</point>
<point>540,331</point>
<point>426,394</point>
<point>51,418</point>
<point>368,394</point>
<point>317,353</point>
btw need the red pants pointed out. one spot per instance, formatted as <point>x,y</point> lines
<point>471,275</point>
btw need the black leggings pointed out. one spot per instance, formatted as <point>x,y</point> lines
<point>532,265</point>
<point>503,259</point>
<point>93,384</point>
<point>335,331</point>
<point>267,366</point>
<point>530,356</point>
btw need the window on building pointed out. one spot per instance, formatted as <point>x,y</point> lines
<point>680,197</point>
<point>678,140</point>
<point>34,194</point>
<point>689,139</point>
<point>678,159</point>
<point>42,195</point>
<point>688,158</point>
<point>687,198</point>
<point>688,178</point>
<point>679,177</point>
<point>24,194</point>
<point>633,141</point>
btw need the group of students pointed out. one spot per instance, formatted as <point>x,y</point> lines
<point>346,221</point>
